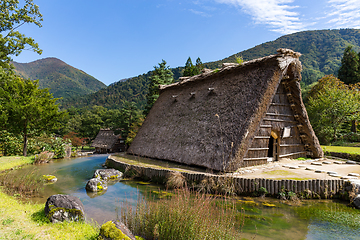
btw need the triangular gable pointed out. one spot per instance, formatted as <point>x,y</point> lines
<point>211,119</point>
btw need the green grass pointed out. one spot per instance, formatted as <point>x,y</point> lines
<point>28,221</point>
<point>14,162</point>
<point>19,220</point>
<point>284,174</point>
<point>351,150</point>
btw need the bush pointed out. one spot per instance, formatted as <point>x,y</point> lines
<point>10,144</point>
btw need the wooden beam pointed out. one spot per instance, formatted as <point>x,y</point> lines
<point>291,145</point>
<point>280,104</point>
<point>278,114</point>
<point>257,149</point>
<point>279,120</point>
<point>254,159</point>
<point>259,137</point>
<point>291,154</point>
<point>265,126</point>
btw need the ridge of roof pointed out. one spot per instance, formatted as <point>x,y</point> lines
<point>284,56</point>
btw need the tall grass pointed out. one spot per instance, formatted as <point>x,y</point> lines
<point>26,185</point>
<point>185,216</point>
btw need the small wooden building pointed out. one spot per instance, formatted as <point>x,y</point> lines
<point>241,115</point>
<point>107,142</point>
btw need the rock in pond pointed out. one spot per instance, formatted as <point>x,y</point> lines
<point>357,201</point>
<point>49,178</point>
<point>59,208</point>
<point>96,185</point>
<point>107,174</point>
<point>115,230</point>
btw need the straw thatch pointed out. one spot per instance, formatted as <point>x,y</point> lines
<point>231,118</point>
<point>107,141</point>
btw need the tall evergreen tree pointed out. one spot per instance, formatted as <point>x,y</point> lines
<point>190,69</point>
<point>161,75</point>
<point>349,70</point>
<point>199,64</point>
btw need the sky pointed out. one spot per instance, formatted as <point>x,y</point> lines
<point>117,39</point>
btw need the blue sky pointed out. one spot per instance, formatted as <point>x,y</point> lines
<point>116,39</point>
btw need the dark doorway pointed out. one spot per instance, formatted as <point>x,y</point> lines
<point>271,147</point>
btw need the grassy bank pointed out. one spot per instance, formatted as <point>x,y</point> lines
<point>340,149</point>
<point>19,220</point>
<point>14,162</point>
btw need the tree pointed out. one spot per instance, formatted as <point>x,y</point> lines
<point>190,69</point>
<point>349,71</point>
<point>161,75</point>
<point>13,16</point>
<point>30,110</point>
<point>199,64</point>
<point>333,104</point>
<point>75,140</point>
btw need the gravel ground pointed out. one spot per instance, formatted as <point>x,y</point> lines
<point>303,169</point>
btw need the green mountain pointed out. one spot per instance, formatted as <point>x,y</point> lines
<point>321,51</point>
<point>62,79</point>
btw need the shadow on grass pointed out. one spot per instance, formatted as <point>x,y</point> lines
<point>40,217</point>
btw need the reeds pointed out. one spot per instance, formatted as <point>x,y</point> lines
<point>185,216</point>
<point>28,184</point>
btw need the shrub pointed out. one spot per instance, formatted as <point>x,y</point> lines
<point>175,180</point>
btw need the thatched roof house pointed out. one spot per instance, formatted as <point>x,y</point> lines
<point>241,115</point>
<point>106,141</point>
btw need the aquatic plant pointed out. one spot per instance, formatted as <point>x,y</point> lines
<point>337,213</point>
<point>29,184</point>
<point>185,216</point>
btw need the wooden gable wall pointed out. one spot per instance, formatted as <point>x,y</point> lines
<point>269,141</point>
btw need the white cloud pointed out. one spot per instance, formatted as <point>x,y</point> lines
<point>344,13</point>
<point>203,14</point>
<point>280,15</point>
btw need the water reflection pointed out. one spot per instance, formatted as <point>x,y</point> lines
<point>261,222</point>
<point>73,175</point>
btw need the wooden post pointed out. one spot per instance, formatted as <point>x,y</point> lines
<point>267,182</point>
<point>276,186</point>
<point>272,187</point>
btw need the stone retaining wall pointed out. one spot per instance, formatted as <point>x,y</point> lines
<point>318,187</point>
<point>350,156</point>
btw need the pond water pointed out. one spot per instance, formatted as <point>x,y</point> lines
<point>312,219</point>
<point>73,174</point>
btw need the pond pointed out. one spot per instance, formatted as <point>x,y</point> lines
<point>265,218</point>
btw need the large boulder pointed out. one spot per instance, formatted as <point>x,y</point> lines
<point>356,201</point>
<point>96,185</point>
<point>114,230</point>
<point>108,174</point>
<point>59,208</point>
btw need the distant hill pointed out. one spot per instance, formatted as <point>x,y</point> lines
<point>321,50</point>
<point>62,79</point>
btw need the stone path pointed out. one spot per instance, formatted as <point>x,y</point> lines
<point>307,169</point>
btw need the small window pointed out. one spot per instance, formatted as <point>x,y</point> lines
<point>121,141</point>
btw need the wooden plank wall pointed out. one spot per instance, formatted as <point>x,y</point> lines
<point>278,116</point>
<point>322,187</point>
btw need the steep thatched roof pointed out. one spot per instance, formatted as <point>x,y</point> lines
<point>105,139</point>
<point>211,119</point>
